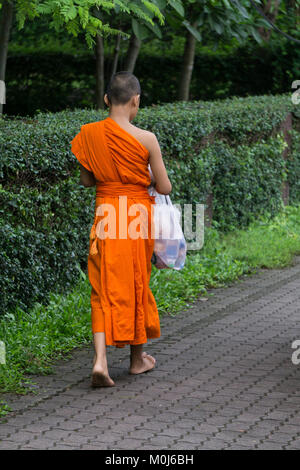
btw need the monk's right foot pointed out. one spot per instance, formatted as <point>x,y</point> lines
<point>144,364</point>
<point>100,378</point>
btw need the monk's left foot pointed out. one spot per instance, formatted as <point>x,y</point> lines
<point>144,364</point>
<point>101,379</point>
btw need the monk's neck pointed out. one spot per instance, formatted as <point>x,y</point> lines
<point>122,119</point>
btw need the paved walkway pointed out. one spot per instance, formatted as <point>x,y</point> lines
<point>224,380</point>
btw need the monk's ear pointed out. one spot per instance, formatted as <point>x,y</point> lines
<point>105,98</point>
<point>136,100</point>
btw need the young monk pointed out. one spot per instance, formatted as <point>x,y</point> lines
<point>114,156</point>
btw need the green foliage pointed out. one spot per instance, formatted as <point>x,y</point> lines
<point>234,72</point>
<point>34,338</point>
<point>86,15</point>
<point>269,242</point>
<point>247,181</point>
<point>293,168</point>
<point>231,148</point>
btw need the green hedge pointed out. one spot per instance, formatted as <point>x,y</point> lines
<point>231,148</point>
<point>293,168</point>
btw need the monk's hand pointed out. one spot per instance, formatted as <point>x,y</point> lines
<point>152,185</point>
<point>87,178</point>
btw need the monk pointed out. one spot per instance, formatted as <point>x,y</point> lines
<point>114,155</point>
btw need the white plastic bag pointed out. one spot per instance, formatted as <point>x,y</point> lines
<point>170,245</point>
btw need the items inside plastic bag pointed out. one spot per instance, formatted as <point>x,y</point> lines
<point>170,245</point>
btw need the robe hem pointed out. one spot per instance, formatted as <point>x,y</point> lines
<point>122,344</point>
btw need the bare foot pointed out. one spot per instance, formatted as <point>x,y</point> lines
<point>100,378</point>
<point>144,364</point>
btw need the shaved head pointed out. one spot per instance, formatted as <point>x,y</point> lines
<point>122,87</point>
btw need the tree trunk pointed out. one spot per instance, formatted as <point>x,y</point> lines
<point>272,15</point>
<point>187,66</point>
<point>99,53</point>
<point>116,55</point>
<point>5,26</point>
<point>132,53</point>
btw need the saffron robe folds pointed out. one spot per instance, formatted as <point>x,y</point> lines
<point>119,268</point>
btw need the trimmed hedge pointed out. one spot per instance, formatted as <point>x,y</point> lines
<point>231,149</point>
<point>293,168</point>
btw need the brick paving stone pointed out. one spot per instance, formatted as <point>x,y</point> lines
<point>224,380</point>
<point>142,434</point>
<point>153,426</point>
<point>186,425</point>
<point>120,428</point>
<point>236,447</point>
<point>21,436</point>
<point>130,444</point>
<point>6,429</point>
<point>107,438</point>
<point>295,420</point>
<point>227,435</point>
<point>41,443</point>
<point>19,421</point>
<point>193,438</point>
<point>162,440</point>
<point>289,429</point>
<point>134,419</point>
<point>74,439</point>
<point>37,427</point>
<point>269,445</point>
<point>257,431</point>
<point>249,441</point>
<point>70,425</point>
<point>8,445</point>
<point>213,444</point>
<point>147,446</point>
<point>217,420</point>
<point>56,434</point>
<point>91,431</point>
<point>279,437</point>
<point>27,447</point>
<point>65,412</point>
<point>166,418</point>
<point>52,420</point>
<point>62,447</point>
<point>183,446</point>
<point>173,432</point>
<point>84,419</point>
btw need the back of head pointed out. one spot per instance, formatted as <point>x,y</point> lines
<point>122,87</point>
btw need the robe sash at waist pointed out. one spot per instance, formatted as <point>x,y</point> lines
<point>115,189</point>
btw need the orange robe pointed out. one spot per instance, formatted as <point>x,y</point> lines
<point>119,269</point>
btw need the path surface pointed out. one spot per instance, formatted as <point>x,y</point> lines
<point>224,379</point>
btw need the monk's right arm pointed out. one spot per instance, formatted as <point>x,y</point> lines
<point>87,178</point>
<point>162,182</point>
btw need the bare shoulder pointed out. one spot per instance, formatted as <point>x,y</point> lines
<point>147,138</point>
